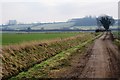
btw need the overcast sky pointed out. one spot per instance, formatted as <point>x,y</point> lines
<point>28,11</point>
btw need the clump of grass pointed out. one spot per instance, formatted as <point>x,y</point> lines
<point>117,42</point>
<point>117,38</point>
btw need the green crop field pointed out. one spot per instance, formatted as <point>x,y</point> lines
<point>12,38</point>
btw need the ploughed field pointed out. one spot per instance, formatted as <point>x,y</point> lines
<point>13,38</point>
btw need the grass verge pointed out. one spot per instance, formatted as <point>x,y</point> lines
<point>60,60</point>
<point>18,58</point>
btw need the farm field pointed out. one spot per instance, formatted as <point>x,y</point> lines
<point>13,38</point>
<point>20,58</point>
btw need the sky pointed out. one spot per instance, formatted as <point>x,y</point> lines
<point>28,11</point>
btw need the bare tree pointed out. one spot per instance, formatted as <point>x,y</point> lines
<point>105,21</point>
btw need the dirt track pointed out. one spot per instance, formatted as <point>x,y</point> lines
<point>101,60</point>
<point>104,60</point>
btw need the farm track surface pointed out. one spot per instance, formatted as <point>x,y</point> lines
<point>104,60</point>
<point>101,60</point>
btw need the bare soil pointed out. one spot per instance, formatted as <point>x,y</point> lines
<point>100,60</point>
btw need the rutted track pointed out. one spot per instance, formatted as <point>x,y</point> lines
<point>104,61</point>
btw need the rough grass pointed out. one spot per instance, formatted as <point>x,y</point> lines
<point>19,58</point>
<point>117,42</point>
<point>41,70</point>
<point>60,60</point>
<point>116,35</point>
<point>12,38</point>
<point>117,38</point>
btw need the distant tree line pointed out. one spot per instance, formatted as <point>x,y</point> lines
<point>87,21</point>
